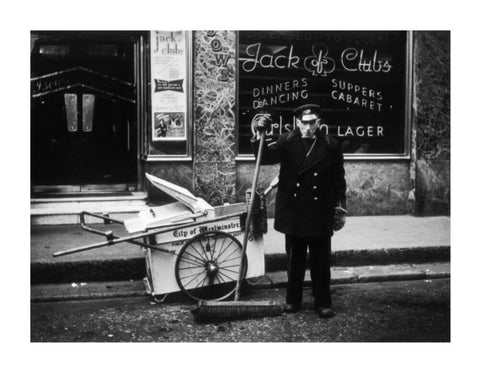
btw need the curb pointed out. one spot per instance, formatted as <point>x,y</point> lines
<point>87,271</point>
<point>366,257</point>
<point>134,268</point>
<point>367,274</point>
<point>340,276</point>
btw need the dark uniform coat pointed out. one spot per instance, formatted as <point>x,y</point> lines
<point>310,187</point>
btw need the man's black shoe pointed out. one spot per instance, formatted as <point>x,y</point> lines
<point>291,308</point>
<point>325,312</point>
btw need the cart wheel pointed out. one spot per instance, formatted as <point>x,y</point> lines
<point>208,265</point>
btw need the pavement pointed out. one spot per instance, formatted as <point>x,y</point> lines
<point>369,248</point>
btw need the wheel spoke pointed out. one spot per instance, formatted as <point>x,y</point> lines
<point>223,274</point>
<point>220,254</point>
<point>231,259</point>
<point>203,281</point>
<point>194,277</point>
<point>213,249</point>
<point>232,253</point>
<point>195,258</point>
<point>189,276</point>
<point>220,280</point>
<point>208,252</point>
<point>191,267</point>
<point>192,262</point>
<point>203,248</point>
<point>235,272</point>
<point>223,243</point>
<point>200,255</point>
<point>224,267</point>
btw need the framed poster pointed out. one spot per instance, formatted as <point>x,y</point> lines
<point>169,126</point>
<point>361,79</point>
<point>169,90</point>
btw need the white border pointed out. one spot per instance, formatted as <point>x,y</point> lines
<point>18,18</point>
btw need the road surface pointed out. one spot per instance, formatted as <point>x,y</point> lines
<point>374,312</point>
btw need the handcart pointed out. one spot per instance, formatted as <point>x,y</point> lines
<point>189,245</point>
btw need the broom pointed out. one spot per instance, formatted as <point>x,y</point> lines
<point>211,311</point>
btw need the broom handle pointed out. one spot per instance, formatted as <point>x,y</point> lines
<point>249,214</point>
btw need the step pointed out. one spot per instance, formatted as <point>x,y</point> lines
<point>89,201</point>
<point>66,210</point>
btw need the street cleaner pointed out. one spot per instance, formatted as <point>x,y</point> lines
<point>310,202</point>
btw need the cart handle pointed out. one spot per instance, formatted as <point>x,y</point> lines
<point>112,239</point>
<point>109,234</point>
<point>106,220</point>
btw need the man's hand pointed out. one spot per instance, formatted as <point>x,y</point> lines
<point>262,122</point>
<point>339,218</point>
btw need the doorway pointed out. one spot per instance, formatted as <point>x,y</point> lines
<point>84,127</point>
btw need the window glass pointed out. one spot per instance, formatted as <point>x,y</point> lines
<point>358,77</point>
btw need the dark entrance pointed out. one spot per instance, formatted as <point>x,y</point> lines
<point>83,111</point>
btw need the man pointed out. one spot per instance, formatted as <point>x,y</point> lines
<point>161,130</point>
<point>310,201</point>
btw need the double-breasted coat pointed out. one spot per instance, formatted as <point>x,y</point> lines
<point>311,183</point>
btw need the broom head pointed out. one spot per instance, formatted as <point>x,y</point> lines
<point>216,311</point>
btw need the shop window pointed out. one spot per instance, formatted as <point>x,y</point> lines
<point>169,130</point>
<point>360,78</point>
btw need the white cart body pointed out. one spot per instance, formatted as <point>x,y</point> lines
<point>189,211</point>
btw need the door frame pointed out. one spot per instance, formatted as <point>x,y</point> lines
<point>138,39</point>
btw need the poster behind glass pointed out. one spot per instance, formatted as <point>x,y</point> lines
<point>169,93</point>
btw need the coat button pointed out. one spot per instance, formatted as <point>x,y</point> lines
<point>298,185</point>
<point>315,174</point>
<point>314,187</point>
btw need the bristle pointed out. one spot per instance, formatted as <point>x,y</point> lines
<point>212,311</point>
